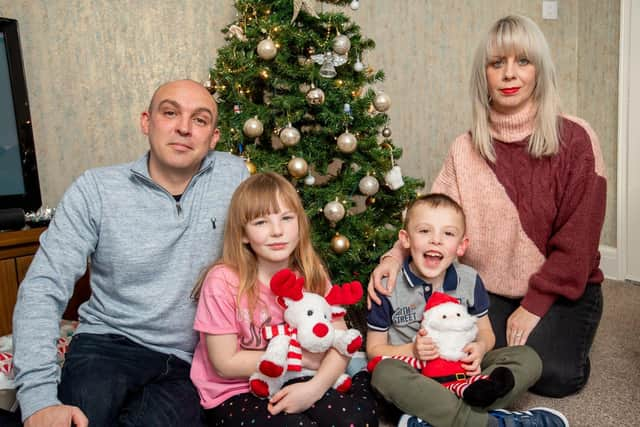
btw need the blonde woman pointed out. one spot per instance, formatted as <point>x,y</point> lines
<point>532,185</point>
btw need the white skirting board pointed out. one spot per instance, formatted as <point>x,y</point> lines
<point>609,262</point>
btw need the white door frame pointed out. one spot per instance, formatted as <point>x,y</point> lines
<point>616,262</point>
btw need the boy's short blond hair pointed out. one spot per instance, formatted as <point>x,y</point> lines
<point>434,200</point>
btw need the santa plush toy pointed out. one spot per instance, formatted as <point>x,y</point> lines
<point>451,328</point>
<point>308,326</point>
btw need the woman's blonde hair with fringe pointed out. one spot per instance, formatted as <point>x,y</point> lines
<point>259,195</point>
<point>517,35</point>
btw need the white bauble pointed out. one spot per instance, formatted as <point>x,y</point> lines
<point>253,127</point>
<point>368,185</point>
<point>267,49</point>
<point>334,211</point>
<point>347,143</point>
<point>290,136</point>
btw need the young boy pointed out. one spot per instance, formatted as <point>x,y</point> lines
<point>434,235</point>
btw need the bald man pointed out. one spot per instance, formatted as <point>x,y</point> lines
<point>149,228</point>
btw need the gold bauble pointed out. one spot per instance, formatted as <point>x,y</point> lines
<point>382,102</point>
<point>289,136</point>
<point>251,167</point>
<point>253,127</point>
<point>334,211</point>
<point>340,244</point>
<point>298,167</point>
<point>267,49</point>
<point>315,96</point>
<point>370,201</point>
<point>347,143</point>
<point>386,132</point>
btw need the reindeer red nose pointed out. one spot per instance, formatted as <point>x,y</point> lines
<point>320,329</point>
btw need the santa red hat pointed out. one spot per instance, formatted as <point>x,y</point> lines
<point>438,298</point>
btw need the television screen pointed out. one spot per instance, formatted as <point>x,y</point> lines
<point>10,162</point>
<point>19,184</point>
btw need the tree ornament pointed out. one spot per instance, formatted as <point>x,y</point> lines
<point>237,32</point>
<point>297,167</point>
<point>393,178</point>
<point>340,244</point>
<point>347,143</point>
<point>267,49</point>
<point>341,44</point>
<point>289,136</point>
<point>382,102</point>
<point>329,61</point>
<point>358,66</point>
<point>236,109</point>
<point>368,185</point>
<point>386,132</point>
<point>370,200</point>
<point>354,5</point>
<point>303,5</point>
<point>334,211</point>
<point>251,167</point>
<point>310,180</point>
<point>208,85</point>
<point>315,96</point>
<point>253,127</point>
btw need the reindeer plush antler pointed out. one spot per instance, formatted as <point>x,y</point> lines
<point>308,325</point>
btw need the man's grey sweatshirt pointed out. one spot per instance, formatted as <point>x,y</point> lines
<point>146,252</point>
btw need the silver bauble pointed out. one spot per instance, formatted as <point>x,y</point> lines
<point>341,44</point>
<point>297,167</point>
<point>358,66</point>
<point>310,180</point>
<point>290,136</point>
<point>340,244</point>
<point>354,5</point>
<point>253,127</point>
<point>334,211</point>
<point>368,185</point>
<point>386,132</point>
<point>347,143</point>
<point>382,102</point>
<point>267,49</point>
<point>315,96</point>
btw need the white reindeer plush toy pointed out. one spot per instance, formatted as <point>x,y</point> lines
<point>308,326</point>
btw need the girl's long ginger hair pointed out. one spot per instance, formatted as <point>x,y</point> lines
<point>255,197</point>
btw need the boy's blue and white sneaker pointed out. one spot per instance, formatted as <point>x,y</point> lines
<point>535,417</point>
<point>407,420</point>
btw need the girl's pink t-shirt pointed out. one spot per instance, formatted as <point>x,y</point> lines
<point>218,313</point>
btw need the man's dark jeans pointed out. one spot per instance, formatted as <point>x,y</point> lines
<point>117,382</point>
<point>562,339</point>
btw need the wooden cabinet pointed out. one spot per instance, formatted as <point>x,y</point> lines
<point>16,252</point>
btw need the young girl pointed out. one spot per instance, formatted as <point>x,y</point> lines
<point>266,230</point>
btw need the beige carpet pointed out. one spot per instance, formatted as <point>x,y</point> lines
<point>612,396</point>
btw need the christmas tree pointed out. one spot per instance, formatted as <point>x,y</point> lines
<point>295,98</point>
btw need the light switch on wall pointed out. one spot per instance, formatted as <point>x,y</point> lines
<point>549,9</point>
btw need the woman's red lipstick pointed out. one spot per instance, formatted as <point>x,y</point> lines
<point>510,90</point>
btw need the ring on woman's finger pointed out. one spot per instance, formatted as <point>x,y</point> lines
<point>518,334</point>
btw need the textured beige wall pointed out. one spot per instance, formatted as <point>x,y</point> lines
<point>91,66</point>
<point>597,91</point>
